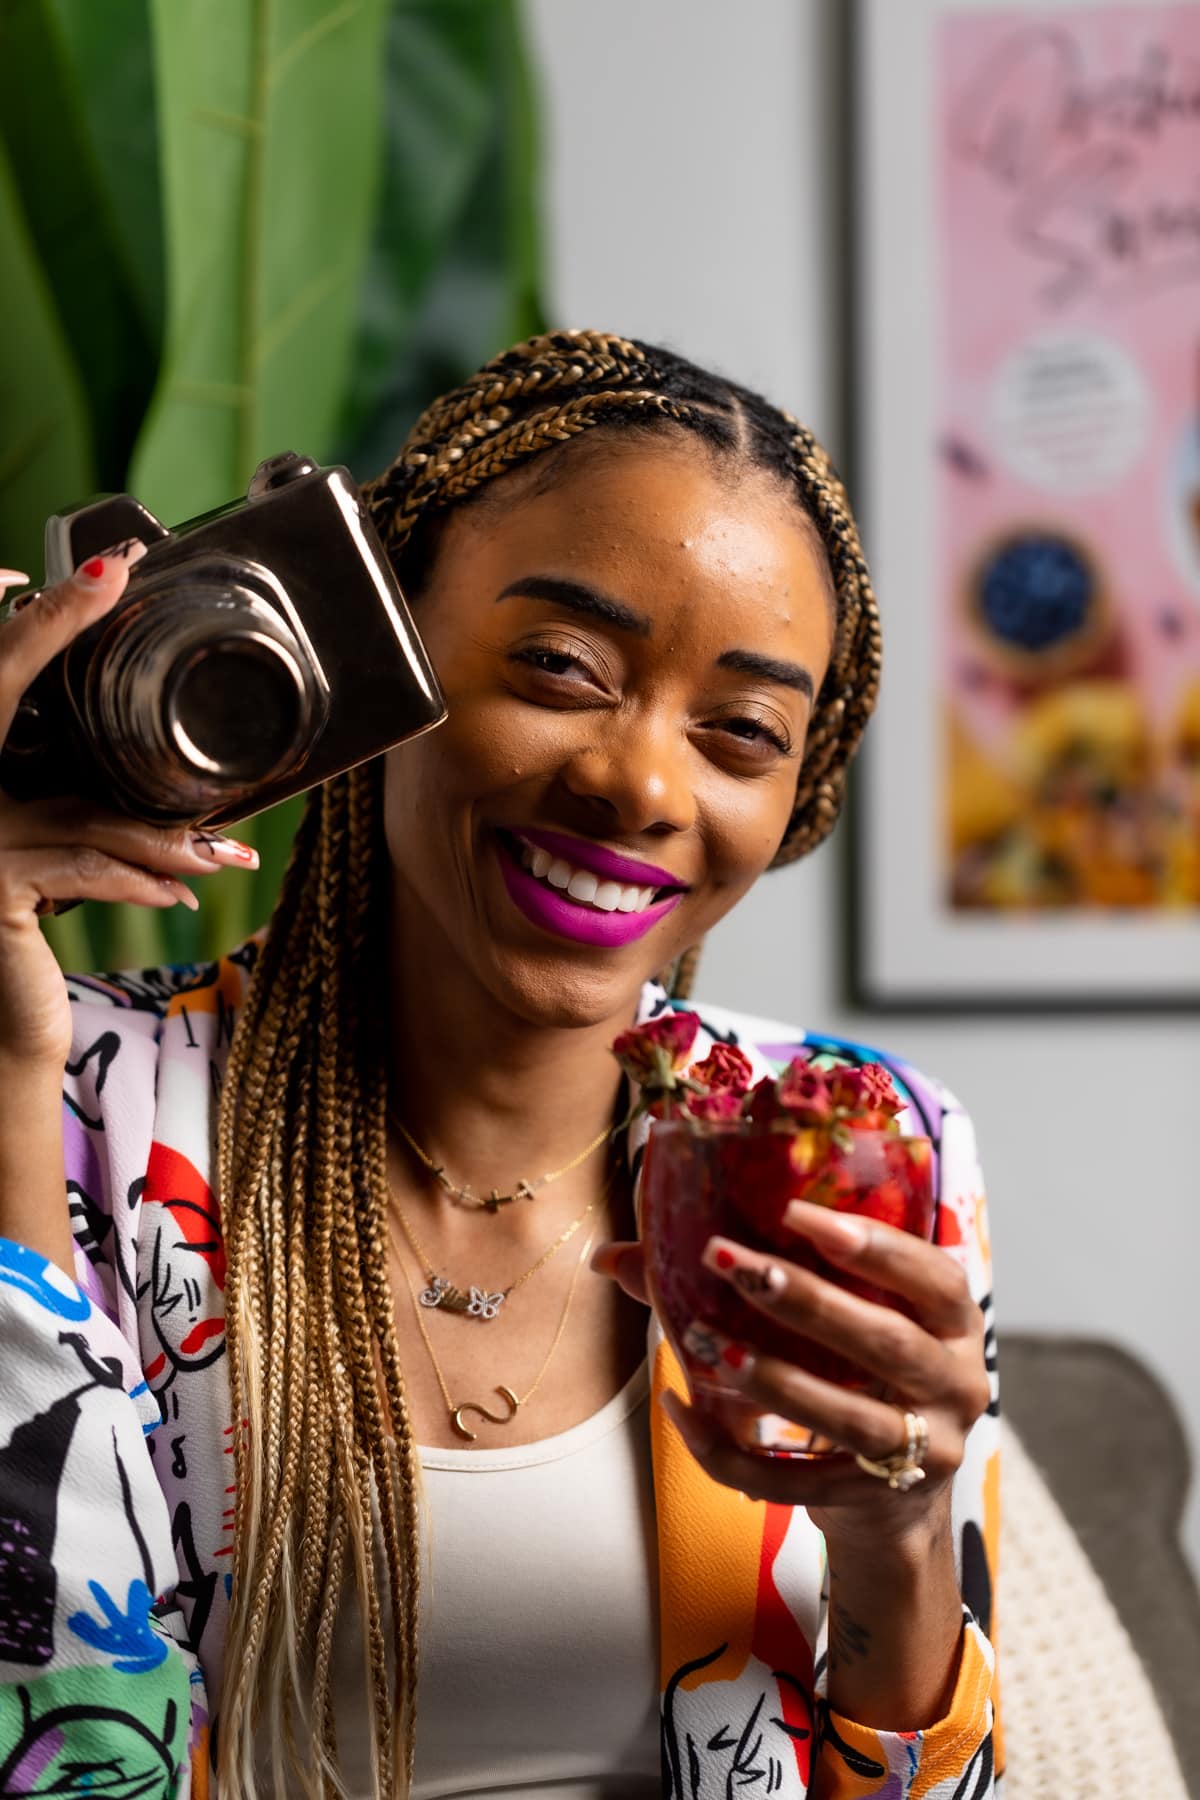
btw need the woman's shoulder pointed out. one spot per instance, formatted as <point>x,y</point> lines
<point>144,999</point>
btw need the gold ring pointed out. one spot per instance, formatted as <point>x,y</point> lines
<point>903,1469</point>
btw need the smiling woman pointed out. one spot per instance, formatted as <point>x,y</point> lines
<point>629,654</point>
<point>643,593</point>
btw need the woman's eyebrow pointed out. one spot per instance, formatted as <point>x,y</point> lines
<point>578,598</point>
<point>575,596</point>
<point>768,668</point>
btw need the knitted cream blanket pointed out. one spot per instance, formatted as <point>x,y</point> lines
<point>1081,1721</point>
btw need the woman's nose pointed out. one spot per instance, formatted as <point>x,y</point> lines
<point>640,773</point>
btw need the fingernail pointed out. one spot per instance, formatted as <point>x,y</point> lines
<point>129,550</point>
<point>96,568</point>
<point>824,1222</point>
<point>716,1353</point>
<point>230,852</point>
<point>12,578</point>
<point>181,892</point>
<point>742,1267</point>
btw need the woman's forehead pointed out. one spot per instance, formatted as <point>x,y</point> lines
<point>664,523</point>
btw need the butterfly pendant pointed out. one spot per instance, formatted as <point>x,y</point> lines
<point>477,1302</point>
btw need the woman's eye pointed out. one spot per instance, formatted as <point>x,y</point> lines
<point>757,734</point>
<point>551,662</point>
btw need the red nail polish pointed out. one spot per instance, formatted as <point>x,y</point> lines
<point>734,1355</point>
<point>725,1260</point>
<point>93,568</point>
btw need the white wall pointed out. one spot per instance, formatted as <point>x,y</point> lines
<point>687,151</point>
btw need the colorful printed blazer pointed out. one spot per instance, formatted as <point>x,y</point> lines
<point>116,1463</point>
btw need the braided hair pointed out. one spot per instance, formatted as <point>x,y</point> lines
<point>326,1467</point>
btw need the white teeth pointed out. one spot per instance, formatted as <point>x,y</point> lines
<point>582,885</point>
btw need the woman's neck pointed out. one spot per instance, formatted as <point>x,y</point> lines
<point>498,1096</point>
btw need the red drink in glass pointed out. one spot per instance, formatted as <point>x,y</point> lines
<point>734,1179</point>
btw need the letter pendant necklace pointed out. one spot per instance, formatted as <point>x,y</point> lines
<point>477,1302</point>
<point>456,1409</point>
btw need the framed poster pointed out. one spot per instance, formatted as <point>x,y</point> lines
<point>1028,427</point>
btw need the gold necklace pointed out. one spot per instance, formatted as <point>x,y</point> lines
<point>477,1301</point>
<point>456,1410</point>
<point>465,1196</point>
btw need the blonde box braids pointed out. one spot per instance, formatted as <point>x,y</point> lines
<point>326,1468</point>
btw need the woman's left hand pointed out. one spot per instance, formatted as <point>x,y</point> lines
<point>931,1363</point>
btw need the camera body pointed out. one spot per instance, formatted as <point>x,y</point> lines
<point>257,650</point>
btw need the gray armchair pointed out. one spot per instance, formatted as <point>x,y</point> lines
<point>1098,1616</point>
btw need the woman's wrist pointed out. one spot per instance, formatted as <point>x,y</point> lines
<point>895,1620</point>
<point>916,1529</point>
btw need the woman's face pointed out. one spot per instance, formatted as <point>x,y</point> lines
<point>629,661</point>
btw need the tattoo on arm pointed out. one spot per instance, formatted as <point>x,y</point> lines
<point>849,1641</point>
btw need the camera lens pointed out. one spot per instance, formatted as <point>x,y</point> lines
<point>237,707</point>
<point>201,695</point>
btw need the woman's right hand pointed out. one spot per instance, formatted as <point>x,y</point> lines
<point>69,849</point>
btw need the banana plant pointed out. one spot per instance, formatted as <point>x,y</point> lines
<point>230,228</point>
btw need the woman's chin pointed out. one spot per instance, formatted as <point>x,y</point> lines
<point>561,995</point>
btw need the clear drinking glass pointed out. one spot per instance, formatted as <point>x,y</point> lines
<point>734,1179</point>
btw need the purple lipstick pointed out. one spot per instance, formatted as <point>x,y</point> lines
<point>606,863</point>
<point>570,916</point>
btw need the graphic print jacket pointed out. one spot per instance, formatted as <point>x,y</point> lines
<point>116,1461</point>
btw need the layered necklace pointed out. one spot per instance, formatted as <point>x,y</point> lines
<point>455,1409</point>
<point>477,1300</point>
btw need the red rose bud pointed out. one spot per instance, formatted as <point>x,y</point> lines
<point>762,1104</point>
<point>878,1090</point>
<point>804,1092</point>
<point>649,1053</point>
<point>720,1103</point>
<point>724,1069</point>
<point>653,1056</point>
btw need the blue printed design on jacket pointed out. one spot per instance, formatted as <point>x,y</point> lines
<point>127,1636</point>
<point>23,1268</point>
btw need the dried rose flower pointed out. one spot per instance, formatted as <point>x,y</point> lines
<point>654,1054</point>
<point>724,1069</point>
<point>879,1090</point>
<point>717,1104</point>
<point>804,1092</point>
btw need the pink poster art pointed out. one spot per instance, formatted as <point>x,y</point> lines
<point>1069,457</point>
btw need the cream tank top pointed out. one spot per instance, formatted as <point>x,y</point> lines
<point>539,1620</point>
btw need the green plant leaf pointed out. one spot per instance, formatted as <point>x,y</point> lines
<point>455,267</point>
<point>437,122</point>
<point>112,57</point>
<point>520,252</point>
<point>269,126</point>
<point>45,447</point>
<point>71,223</point>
